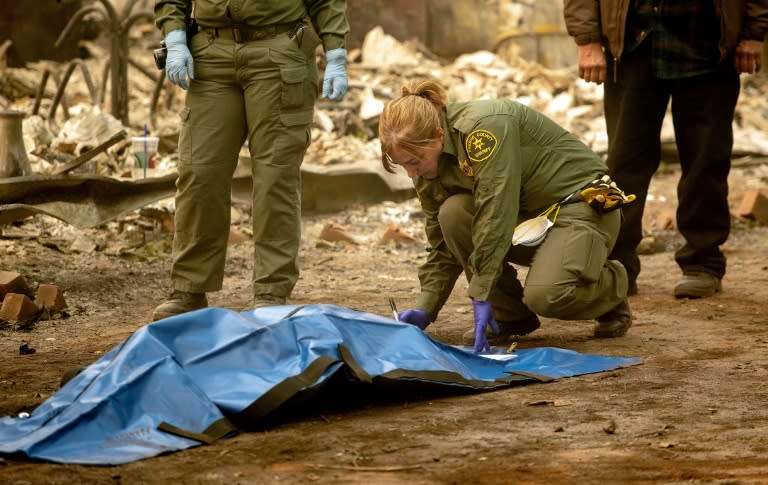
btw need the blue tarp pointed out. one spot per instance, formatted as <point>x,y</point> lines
<point>183,381</point>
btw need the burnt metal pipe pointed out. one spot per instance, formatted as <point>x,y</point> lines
<point>118,26</point>
<point>13,156</point>
<point>62,86</point>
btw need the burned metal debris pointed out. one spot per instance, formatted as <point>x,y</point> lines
<point>342,164</point>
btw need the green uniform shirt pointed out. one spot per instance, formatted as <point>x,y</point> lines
<point>328,16</point>
<point>515,162</point>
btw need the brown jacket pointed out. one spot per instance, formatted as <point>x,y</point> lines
<point>604,21</point>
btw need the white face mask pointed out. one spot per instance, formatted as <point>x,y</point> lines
<point>532,231</point>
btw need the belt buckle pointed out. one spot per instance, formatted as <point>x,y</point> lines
<point>238,35</point>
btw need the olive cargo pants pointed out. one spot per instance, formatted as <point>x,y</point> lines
<point>570,276</point>
<point>264,92</point>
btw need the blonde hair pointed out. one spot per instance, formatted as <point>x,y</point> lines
<point>411,121</point>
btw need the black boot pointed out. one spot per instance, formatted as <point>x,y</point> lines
<point>614,323</point>
<point>508,330</point>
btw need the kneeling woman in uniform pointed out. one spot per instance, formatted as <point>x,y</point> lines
<point>502,184</point>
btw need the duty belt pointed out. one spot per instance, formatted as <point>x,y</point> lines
<point>247,33</point>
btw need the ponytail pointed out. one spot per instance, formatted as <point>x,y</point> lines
<point>411,121</point>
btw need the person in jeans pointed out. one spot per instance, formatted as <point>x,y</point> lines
<point>648,52</point>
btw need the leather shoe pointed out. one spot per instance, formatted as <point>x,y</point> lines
<point>508,330</point>
<point>614,323</point>
<point>179,302</point>
<point>697,285</point>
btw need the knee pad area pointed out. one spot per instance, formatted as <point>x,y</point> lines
<point>552,301</point>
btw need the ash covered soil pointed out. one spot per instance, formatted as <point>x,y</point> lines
<point>694,412</point>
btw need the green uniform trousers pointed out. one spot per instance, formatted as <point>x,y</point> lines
<point>570,276</point>
<point>264,92</point>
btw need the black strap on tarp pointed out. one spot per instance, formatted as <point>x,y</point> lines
<point>288,388</point>
<point>219,429</point>
<point>436,376</point>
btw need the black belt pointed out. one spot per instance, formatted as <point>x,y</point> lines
<point>246,33</point>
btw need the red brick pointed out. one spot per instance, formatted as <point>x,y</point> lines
<point>394,234</point>
<point>236,237</point>
<point>754,205</point>
<point>49,297</point>
<point>333,232</point>
<point>13,282</point>
<point>18,308</point>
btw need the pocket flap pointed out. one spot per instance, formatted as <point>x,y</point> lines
<point>296,118</point>
<point>184,113</point>
<point>293,75</point>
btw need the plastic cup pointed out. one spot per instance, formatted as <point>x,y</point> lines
<point>144,151</point>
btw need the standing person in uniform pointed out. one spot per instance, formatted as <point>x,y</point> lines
<point>250,75</point>
<point>479,169</point>
<point>692,52</point>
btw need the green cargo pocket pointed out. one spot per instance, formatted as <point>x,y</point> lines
<point>585,253</point>
<point>298,132</point>
<point>293,94</point>
<point>296,118</point>
<point>185,135</point>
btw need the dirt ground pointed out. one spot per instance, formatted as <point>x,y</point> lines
<point>694,412</point>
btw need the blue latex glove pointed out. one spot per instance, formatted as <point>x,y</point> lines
<point>483,317</point>
<point>416,316</point>
<point>178,63</point>
<point>335,78</point>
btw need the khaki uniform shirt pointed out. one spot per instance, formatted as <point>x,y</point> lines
<point>328,16</point>
<point>515,162</point>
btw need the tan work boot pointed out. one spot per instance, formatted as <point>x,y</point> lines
<point>614,323</point>
<point>508,330</point>
<point>179,302</point>
<point>697,285</point>
<point>266,299</point>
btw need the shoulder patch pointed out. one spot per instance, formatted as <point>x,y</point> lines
<point>480,145</point>
<point>466,168</point>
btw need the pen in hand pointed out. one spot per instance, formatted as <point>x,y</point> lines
<point>395,314</point>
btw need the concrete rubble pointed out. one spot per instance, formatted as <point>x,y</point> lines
<point>344,134</point>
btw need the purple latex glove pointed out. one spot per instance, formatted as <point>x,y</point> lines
<point>483,317</point>
<point>416,316</point>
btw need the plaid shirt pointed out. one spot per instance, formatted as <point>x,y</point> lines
<point>684,35</point>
